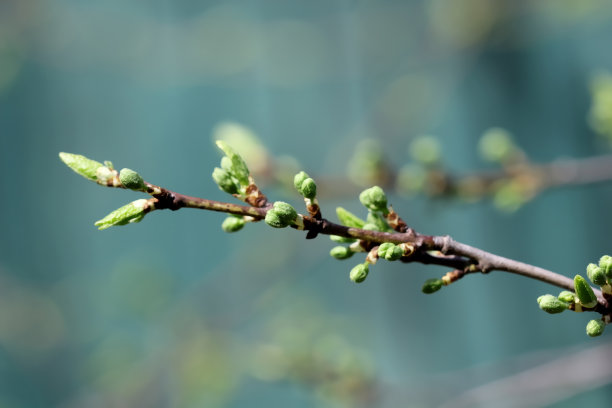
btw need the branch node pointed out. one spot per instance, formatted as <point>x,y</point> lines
<point>485,267</point>
<point>446,243</point>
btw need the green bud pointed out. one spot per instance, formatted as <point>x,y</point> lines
<point>584,292</point>
<point>567,296</point>
<point>595,328</point>
<point>273,220</point>
<point>342,240</point>
<point>359,272</point>
<point>496,145</point>
<point>132,180</point>
<point>225,181</point>
<point>596,274</point>
<point>285,211</point>
<point>349,219</point>
<point>605,263</point>
<point>132,212</point>
<point>81,165</point>
<point>232,224</point>
<point>389,251</point>
<point>298,179</point>
<point>425,149</point>
<point>239,168</point>
<point>308,188</point>
<point>550,304</point>
<point>432,285</point>
<point>281,215</point>
<point>384,247</point>
<point>341,252</point>
<point>374,199</point>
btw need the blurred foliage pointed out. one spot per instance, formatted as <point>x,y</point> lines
<point>82,327</point>
<point>600,115</point>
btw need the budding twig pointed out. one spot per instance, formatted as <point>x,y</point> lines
<point>458,255</point>
<point>384,235</point>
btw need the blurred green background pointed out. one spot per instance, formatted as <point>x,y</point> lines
<point>172,312</point>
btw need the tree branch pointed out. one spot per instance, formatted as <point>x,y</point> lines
<point>456,254</point>
<point>383,236</point>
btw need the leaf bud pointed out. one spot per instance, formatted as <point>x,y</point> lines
<point>132,180</point>
<point>239,168</point>
<point>389,251</point>
<point>550,304</point>
<point>596,274</point>
<point>432,285</point>
<point>232,224</point>
<point>273,220</point>
<point>359,272</point>
<point>308,188</point>
<point>132,212</point>
<point>81,165</point>
<point>567,296</point>
<point>225,181</point>
<point>595,328</point>
<point>299,178</point>
<point>281,215</point>
<point>605,263</point>
<point>374,199</point>
<point>341,252</point>
<point>285,211</point>
<point>584,292</point>
<point>349,219</point>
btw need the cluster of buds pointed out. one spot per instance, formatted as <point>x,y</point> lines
<point>307,188</point>
<point>583,298</point>
<point>233,175</point>
<point>106,175</point>
<point>305,185</point>
<point>375,200</point>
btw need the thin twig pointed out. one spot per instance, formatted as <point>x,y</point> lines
<point>455,254</point>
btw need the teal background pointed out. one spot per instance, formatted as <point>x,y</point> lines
<point>172,312</point>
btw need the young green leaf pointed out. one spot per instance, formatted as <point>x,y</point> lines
<point>348,219</point>
<point>129,213</point>
<point>81,165</point>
